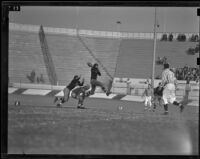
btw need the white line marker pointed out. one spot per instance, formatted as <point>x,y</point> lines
<point>60,94</point>
<point>133,98</point>
<point>11,90</point>
<point>103,95</point>
<point>36,92</point>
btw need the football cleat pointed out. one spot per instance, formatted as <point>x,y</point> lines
<point>80,106</point>
<point>59,104</point>
<point>108,93</point>
<point>166,113</point>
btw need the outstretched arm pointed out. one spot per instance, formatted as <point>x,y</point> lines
<point>98,72</point>
<point>81,83</point>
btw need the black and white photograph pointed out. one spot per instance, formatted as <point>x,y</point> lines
<point>103,80</point>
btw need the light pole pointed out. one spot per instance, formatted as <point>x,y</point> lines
<point>119,29</point>
<point>154,49</point>
<point>77,19</point>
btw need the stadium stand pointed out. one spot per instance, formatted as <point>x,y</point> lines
<point>24,56</point>
<point>135,58</point>
<point>70,56</point>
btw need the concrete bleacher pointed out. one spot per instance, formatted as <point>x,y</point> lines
<point>135,58</point>
<point>24,56</point>
<point>70,56</point>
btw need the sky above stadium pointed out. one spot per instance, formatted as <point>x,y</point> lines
<point>133,19</point>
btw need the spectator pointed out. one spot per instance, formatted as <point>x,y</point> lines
<point>187,90</point>
<point>187,72</point>
<point>41,78</point>
<point>147,95</point>
<point>31,77</point>
<point>128,82</point>
<point>170,38</point>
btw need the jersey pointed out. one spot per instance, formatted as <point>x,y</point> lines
<point>95,72</point>
<point>74,83</point>
<point>148,92</point>
<point>168,77</point>
<point>158,91</point>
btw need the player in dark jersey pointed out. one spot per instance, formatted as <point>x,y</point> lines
<point>94,82</point>
<point>75,82</point>
<point>158,92</point>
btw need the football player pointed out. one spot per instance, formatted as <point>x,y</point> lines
<point>75,82</point>
<point>169,83</point>
<point>94,82</point>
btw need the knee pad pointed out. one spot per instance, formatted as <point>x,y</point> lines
<point>82,94</point>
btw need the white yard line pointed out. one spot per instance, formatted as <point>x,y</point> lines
<point>36,92</point>
<point>133,98</point>
<point>60,94</point>
<point>103,95</point>
<point>11,90</point>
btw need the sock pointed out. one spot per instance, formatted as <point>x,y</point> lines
<point>166,107</point>
<point>62,100</point>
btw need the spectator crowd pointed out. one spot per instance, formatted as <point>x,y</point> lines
<point>191,73</point>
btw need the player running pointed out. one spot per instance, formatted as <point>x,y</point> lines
<point>94,82</point>
<point>169,83</point>
<point>75,82</point>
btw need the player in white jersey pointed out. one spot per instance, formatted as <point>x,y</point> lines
<point>169,83</point>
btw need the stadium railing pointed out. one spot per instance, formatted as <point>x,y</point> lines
<point>134,87</point>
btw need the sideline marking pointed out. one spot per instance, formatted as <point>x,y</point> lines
<point>36,92</point>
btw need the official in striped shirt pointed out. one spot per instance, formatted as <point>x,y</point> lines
<point>169,83</point>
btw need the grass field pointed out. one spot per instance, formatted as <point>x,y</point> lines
<point>38,127</point>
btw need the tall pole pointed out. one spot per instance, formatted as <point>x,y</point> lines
<point>164,11</point>
<point>119,30</point>
<point>77,19</point>
<point>154,50</point>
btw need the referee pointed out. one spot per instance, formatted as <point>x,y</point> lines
<point>169,83</point>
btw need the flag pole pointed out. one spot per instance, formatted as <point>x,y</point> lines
<point>77,19</point>
<point>154,48</point>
